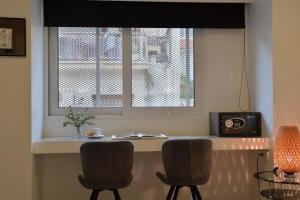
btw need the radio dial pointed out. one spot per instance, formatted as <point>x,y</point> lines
<point>228,123</point>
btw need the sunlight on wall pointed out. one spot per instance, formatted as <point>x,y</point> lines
<point>231,173</point>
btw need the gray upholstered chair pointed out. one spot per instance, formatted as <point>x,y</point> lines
<point>187,163</point>
<point>106,166</point>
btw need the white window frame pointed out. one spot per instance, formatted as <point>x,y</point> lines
<point>127,109</point>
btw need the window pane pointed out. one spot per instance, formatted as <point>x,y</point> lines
<point>90,67</point>
<point>162,67</point>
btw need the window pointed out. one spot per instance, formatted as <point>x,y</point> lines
<point>88,67</point>
<point>162,67</point>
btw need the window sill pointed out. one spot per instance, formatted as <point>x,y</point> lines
<point>59,145</point>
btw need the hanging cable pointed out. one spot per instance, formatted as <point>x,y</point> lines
<point>244,74</point>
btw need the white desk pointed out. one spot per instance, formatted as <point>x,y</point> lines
<point>70,145</point>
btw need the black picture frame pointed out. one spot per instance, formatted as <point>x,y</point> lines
<point>12,36</point>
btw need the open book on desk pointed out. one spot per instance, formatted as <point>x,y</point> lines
<point>136,136</point>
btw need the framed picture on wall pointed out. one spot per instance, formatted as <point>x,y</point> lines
<point>12,36</point>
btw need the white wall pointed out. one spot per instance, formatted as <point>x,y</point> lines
<point>286,67</point>
<point>37,84</point>
<point>286,62</point>
<point>15,135</point>
<point>260,61</point>
<point>261,76</point>
<point>37,71</point>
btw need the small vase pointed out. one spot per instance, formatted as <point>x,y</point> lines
<point>78,133</point>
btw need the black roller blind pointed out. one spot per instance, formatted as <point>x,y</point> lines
<point>84,13</point>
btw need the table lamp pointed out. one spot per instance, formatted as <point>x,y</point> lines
<point>287,150</point>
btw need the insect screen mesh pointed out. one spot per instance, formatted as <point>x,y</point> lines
<point>90,67</point>
<point>163,67</point>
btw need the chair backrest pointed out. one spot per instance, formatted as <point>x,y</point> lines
<point>107,164</point>
<point>188,161</point>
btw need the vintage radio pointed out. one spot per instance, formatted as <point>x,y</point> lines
<point>235,124</point>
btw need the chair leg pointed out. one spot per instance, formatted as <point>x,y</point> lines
<point>197,192</point>
<point>94,195</point>
<point>116,194</point>
<point>176,192</point>
<point>170,193</point>
<point>193,193</point>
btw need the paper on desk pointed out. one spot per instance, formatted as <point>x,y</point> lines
<point>136,136</point>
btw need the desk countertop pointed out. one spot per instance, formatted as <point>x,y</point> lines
<point>58,145</point>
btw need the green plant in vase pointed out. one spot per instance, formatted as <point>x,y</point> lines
<point>78,117</point>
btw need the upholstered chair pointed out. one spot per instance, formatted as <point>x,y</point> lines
<point>187,162</point>
<point>106,166</point>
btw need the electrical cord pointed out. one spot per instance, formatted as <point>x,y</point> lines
<point>244,74</point>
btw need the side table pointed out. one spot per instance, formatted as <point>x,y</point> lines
<point>279,187</point>
<point>275,185</point>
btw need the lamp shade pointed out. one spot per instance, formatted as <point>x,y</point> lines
<point>287,149</point>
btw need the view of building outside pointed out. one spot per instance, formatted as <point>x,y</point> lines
<point>160,54</point>
<point>90,67</point>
